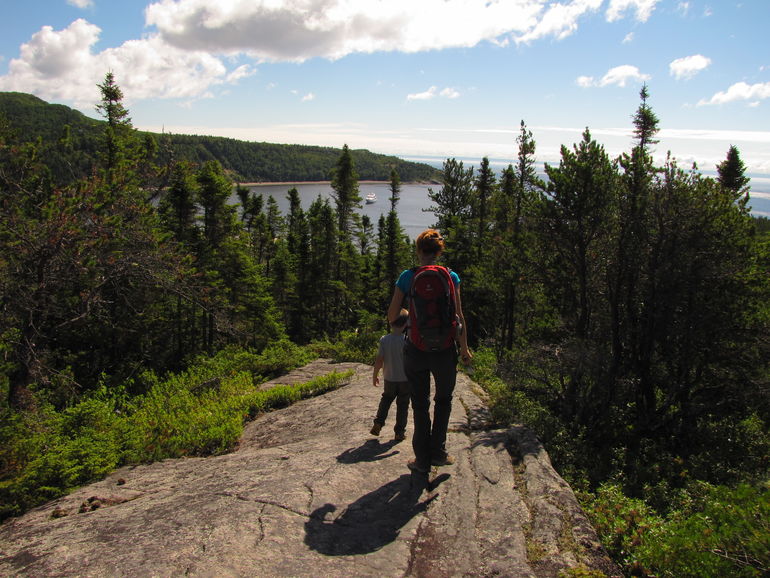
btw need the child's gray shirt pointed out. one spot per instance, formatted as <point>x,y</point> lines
<point>392,350</point>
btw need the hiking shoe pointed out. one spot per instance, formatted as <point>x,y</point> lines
<point>399,437</point>
<point>375,431</point>
<point>447,460</point>
<point>412,465</point>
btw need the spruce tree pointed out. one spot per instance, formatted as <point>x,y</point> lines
<point>732,173</point>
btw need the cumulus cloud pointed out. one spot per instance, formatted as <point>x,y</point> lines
<point>434,92</point>
<point>618,76</point>
<point>190,43</point>
<point>81,3</point>
<point>689,66</point>
<point>304,29</point>
<point>740,91</point>
<point>560,20</point>
<point>643,9</point>
<point>61,64</point>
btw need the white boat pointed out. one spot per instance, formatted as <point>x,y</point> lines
<point>371,198</point>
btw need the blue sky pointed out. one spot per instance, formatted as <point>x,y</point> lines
<point>415,78</point>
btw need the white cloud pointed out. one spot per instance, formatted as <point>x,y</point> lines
<point>618,76</point>
<point>61,65</point>
<point>689,66</point>
<point>308,97</point>
<point>81,3</point>
<point>426,95</point>
<point>740,91</point>
<point>585,81</point>
<point>560,20</point>
<point>683,8</point>
<point>303,29</point>
<point>433,92</point>
<point>643,9</point>
<point>629,38</point>
<point>270,30</point>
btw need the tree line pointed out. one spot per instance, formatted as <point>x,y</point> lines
<point>68,143</point>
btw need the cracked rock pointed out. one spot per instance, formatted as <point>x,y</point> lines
<point>310,493</point>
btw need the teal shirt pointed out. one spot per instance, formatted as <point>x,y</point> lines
<point>405,280</point>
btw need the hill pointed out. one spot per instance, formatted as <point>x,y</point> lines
<point>69,142</point>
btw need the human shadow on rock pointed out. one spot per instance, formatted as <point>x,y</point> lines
<point>370,451</point>
<point>371,522</point>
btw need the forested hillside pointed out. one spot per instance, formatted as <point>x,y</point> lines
<point>621,309</point>
<point>68,141</point>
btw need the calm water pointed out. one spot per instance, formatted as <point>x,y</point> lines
<point>413,199</point>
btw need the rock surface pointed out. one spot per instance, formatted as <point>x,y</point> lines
<point>310,493</point>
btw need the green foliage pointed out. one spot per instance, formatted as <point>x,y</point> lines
<point>581,571</point>
<point>197,412</point>
<point>726,533</point>
<point>48,453</point>
<point>623,523</point>
<point>356,345</point>
<point>711,531</point>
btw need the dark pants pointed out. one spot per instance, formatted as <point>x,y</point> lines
<point>398,390</point>
<point>429,440</point>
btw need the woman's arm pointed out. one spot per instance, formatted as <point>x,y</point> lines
<point>395,305</point>
<point>465,353</point>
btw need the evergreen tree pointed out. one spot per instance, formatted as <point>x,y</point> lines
<point>624,280</point>
<point>346,193</point>
<point>323,292</point>
<point>732,173</point>
<point>513,253</point>
<point>348,267</point>
<point>395,189</point>
<point>485,183</point>
<point>453,207</point>
<point>576,217</point>
<point>119,144</point>
<point>298,248</point>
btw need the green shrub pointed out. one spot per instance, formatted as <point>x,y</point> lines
<point>727,534</point>
<point>621,522</point>
<point>200,411</point>
<point>358,345</point>
<point>48,453</point>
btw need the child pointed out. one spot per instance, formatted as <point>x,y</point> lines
<point>391,355</point>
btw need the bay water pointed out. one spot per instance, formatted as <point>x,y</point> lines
<point>414,200</point>
<point>411,207</point>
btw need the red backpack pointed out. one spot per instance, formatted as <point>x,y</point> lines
<point>432,314</point>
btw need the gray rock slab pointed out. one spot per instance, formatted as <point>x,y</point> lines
<point>310,493</point>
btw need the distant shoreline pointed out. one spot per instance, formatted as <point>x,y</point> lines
<point>273,184</point>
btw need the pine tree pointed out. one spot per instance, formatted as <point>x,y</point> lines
<point>346,193</point>
<point>119,145</point>
<point>485,183</point>
<point>732,173</point>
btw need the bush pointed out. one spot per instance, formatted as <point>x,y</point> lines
<point>727,534</point>
<point>621,522</point>
<point>48,453</point>
<point>358,345</point>
<point>200,411</point>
